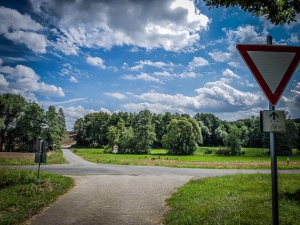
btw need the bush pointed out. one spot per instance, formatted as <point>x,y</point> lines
<point>223,151</point>
<point>208,151</point>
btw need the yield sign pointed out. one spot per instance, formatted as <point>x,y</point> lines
<point>272,66</point>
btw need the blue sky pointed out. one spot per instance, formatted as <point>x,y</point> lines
<point>89,56</point>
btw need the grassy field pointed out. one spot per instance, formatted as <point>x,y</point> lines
<point>18,158</point>
<point>254,158</point>
<point>22,195</point>
<point>236,199</point>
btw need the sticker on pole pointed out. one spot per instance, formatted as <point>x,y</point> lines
<point>272,66</point>
<point>272,121</point>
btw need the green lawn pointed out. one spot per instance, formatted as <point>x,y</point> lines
<point>235,199</point>
<point>22,195</point>
<point>254,158</point>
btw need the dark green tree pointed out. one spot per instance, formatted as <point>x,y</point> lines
<point>144,131</point>
<point>51,130</point>
<point>30,125</point>
<point>232,140</point>
<point>11,107</point>
<point>182,137</point>
<point>278,12</point>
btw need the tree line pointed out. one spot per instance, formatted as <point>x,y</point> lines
<point>179,134</point>
<point>23,123</point>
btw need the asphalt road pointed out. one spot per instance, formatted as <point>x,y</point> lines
<point>116,194</point>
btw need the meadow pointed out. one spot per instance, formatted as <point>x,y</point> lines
<point>234,199</point>
<point>252,158</point>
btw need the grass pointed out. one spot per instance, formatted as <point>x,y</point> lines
<point>18,158</point>
<point>235,199</point>
<point>254,158</point>
<point>22,195</point>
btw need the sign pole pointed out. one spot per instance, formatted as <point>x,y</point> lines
<point>40,151</point>
<point>273,165</point>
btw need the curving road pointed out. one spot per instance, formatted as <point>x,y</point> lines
<point>117,194</point>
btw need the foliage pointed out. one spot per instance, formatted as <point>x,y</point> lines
<point>23,123</point>
<point>11,106</point>
<point>23,195</point>
<point>232,140</point>
<point>278,12</point>
<point>182,137</point>
<point>234,199</point>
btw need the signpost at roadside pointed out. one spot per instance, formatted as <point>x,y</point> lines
<point>272,66</point>
<point>115,149</point>
<point>40,156</point>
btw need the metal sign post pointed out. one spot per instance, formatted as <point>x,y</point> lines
<point>272,66</point>
<point>275,213</point>
<point>41,155</point>
<point>116,148</point>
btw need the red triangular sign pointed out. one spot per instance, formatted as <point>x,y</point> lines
<point>272,66</point>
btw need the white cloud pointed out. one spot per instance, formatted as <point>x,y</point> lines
<point>35,42</point>
<point>171,25</point>
<point>72,113</point>
<point>229,73</point>
<point>163,74</point>
<point>222,96</point>
<point>142,76</point>
<point>96,61</point>
<point>219,56</point>
<point>73,79</point>
<point>184,75</point>
<point>294,38</point>
<point>105,110</point>
<point>11,19</point>
<point>3,84</point>
<point>24,79</point>
<point>198,62</point>
<point>116,95</point>
<point>141,64</point>
<point>22,29</point>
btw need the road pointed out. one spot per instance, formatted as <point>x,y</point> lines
<point>116,194</point>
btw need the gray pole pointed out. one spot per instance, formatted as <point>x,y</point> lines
<point>273,165</point>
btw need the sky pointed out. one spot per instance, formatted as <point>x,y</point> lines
<point>173,56</point>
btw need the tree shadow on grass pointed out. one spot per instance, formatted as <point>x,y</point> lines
<point>295,196</point>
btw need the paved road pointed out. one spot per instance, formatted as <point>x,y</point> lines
<point>116,194</point>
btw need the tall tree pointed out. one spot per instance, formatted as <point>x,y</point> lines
<point>61,123</point>
<point>277,11</point>
<point>51,131</point>
<point>11,106</point>
<point>144,131</point>
<point>30,125</point>
<point>182,137</point>
<point>232,140</point>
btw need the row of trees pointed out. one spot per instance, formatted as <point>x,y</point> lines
<point>22,123</point>
<point>178,133</point>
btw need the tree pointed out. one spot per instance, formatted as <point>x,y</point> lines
<point>79,132</point>
<point>30,125</point>
<point>232,140</point>
<point>61,123</point>
<point>182,137</point>
<point>288,140</point>
<point>11,107</point>
<point>144,131</point>
<point>212,123</point>
<point>51,131</point>
<point>278,12</point>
